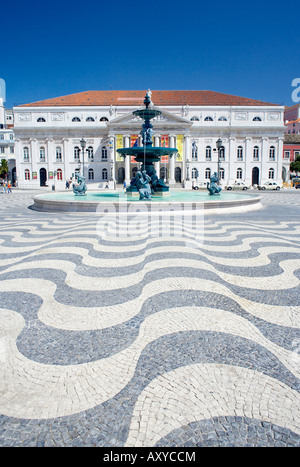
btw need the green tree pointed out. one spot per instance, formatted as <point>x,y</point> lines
<point>295,165</point>
<point>3,168</point>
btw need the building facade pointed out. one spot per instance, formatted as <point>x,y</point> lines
<point>7,142</point>
<point>291,150</point>
<point>291,145</point>
<point>49,135</point>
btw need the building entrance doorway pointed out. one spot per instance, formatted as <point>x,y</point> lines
<point>43,177</point>
<point>178,174</point>
<point>284,174</point>
<point>163,173</point>
<point>255,176</point>
<point>121,175</point>
<point>13,176</point>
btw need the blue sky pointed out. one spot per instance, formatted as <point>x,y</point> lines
<point>55,48</point>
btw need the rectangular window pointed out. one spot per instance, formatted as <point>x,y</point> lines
<point>2,149</point>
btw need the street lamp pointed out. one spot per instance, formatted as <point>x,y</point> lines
<point>219,145</point>
<point>83,145</point>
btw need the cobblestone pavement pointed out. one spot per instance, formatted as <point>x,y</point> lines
<point>145,340</point>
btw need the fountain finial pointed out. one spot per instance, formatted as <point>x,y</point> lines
<point>147,100</point>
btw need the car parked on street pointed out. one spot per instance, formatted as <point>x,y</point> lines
<point>198,186</point>
<point>269,186</point>
<point>237,186</point>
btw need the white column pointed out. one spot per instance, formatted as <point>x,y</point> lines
<point>187,155</point>
<point>247,175</point>
<point>157,164</point>
<point>19,158</point>
<point>66,173</point>
<point>127,161</point>
<point>172,161</point>
<point>34,157</point>
<point>264,171</point>
<point>112,178</point>
<point>279,160</point>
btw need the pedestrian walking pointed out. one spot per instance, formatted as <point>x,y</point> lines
<point>124,185</point>
<point>4,186</point>
<point>9,187</point>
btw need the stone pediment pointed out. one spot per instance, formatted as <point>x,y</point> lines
<point>166,121</point>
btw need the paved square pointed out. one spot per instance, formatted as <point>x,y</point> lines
<point>150,341</point>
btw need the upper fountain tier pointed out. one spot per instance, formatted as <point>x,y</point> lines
<point>146,153</point>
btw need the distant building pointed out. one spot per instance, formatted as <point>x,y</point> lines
<point>292,113</point>
<point>7,143</point>
<point>291,149</point>
<point>292,120</point>
<point>48,135</point>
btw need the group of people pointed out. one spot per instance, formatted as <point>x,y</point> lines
<point>7,186</point>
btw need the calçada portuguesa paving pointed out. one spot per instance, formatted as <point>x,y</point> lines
<point>145,340</point>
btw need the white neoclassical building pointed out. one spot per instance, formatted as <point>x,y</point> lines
<point>49,135</point>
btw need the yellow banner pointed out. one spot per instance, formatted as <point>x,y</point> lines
<point>119,144</point>
<point>179,146</point>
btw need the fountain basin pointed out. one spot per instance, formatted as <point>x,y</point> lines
<point>120,201</point>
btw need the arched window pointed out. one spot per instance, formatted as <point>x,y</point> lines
<point>208,119</point>
<point>222,119</point>
<point>27,174</point>
<point>272,153</point>
<point>42,154</point>
<point>104,174</point>
<point>58,153</point>
<point>257,119</point>
<point>194,173</point>
<point>222,174</point>
<point>103,119</point>
<point>194,151</point>
<point>207,173</point>
<point>208,153</point>
<point>76,153</point>
<point>26,154</point>
<point>240,153</point>
<point>104,153</point>
<point>76,119</point>
<point>59,174</point>
<point>222,153</point>
<point>271,174</point>
<point>256,153</point>
<point>194,119</point>
<point>41,119</point>
<point>90,119</point>
<point>91,174</point>
<point>90,152</point>
<point>239,174</point>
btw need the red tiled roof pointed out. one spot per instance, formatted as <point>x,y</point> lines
<point>136,98</point>
<point>292,121</point>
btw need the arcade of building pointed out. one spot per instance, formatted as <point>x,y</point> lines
<point>58,137</point>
